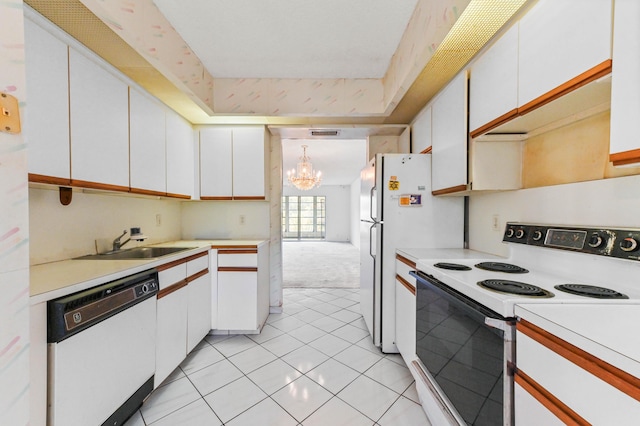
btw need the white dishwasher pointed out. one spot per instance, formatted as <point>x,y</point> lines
<point>101,351</point>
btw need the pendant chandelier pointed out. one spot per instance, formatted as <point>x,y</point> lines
<point>304,177</point>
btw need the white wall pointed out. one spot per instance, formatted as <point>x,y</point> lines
<point>608,203</point>
<point>355,212</point>
<point>62,232</point>
<point>222,219</point>
<point>338,207</point>
<point>14,230</point>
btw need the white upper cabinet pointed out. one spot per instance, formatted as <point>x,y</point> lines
<point>233,163</point>
<point>99,106</point>
<point>47,112</point>
<point>216,155</point>
<point>180,156</point>
<point>493,84</point>
<point>449,132</point>
<point>625,84</point>
<point>249,149</point>
<point>147,144</point>
<point>421,132</point>
<point>559,41</point>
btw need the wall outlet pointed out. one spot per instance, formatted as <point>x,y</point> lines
<point>242,219</point>
<point>495,222</point>
<point>158,219</point>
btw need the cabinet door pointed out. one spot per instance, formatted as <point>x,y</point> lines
<point>421,132</point>
<point>493,84</point>
<point>449,121</point>
<point>237,300</point>
<point>405,322</point>
<point>249,162</point>
<point>560,40</point>
<point>171,343</point>
<point>625,86</point>
<point>216,163</point>
<point>147,144</point>
<point>199,310</point>
<point>47,112</point>
<point>530,412</point>
<point>99,106</point>
<point>180,156</point>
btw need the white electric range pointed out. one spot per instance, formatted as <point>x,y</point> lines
<point>465,312</point>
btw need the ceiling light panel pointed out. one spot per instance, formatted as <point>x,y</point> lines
<point>290,38</point>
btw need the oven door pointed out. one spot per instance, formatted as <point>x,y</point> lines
<point>466,349</point>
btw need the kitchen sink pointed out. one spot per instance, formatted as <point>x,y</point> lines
<point>135,253</point>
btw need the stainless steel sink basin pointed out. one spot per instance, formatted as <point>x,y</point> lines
<point>135,253</point>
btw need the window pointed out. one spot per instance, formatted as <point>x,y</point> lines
<point>303,217</point>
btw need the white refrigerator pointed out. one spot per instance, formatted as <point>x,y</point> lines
<point>397,210</point>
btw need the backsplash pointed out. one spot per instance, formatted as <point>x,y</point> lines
<point>225,220</point>
<point>606,202</point>
<point>60,232</point>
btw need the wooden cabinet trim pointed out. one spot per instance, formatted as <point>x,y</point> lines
<point>172,288</point>
<point>610,374</point>
<point>197,275</point>
<point>451,190</point>
<point>588,76</point>
<point>239,251</point>
<point>171,265</point>
<point>406,261</point>
<point>494,123</point>
<point>227,246</point>
<point>52,180</point>
<point>181,196</point>
<point>546,398</point>
<point>427,150</point>
<point>406,284</point>
<point>147,192</point>
<point>196,256</point>
<point>622,158</point>
<point>97,185</point>
<point>206,198</point>
<point>249,198</point>
<point>237,269</point>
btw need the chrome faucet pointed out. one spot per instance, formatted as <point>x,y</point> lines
<point>117,245</point>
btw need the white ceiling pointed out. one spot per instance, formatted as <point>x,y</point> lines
<point>339,160</point>
<point>291,38</point>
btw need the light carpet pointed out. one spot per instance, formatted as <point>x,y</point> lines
<point>314,264</point>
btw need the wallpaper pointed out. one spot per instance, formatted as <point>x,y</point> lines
<point>14,230</point>
<point>141,24</point>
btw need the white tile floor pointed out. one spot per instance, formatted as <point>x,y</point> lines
<point>314,364</point>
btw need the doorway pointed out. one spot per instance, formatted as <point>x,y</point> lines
<point>320,225</point>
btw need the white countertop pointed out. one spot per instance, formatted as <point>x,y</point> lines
<point>56,279</point>
<point>608,332</point>
<point>422,254</point>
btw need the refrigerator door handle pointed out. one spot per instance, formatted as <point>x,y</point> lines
<point>371,242</point>
<point>371,204</point>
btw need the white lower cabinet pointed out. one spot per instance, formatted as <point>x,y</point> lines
<point>559,383</point>
<point>242,289</point>
<point>183,311</point>
<point>171,333</point>
<point>405,309</point>
<point>198,310</point>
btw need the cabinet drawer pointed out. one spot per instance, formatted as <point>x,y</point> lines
<point>197,265</point>
<point>237,259</point>
<point>403,267</point>
<point>172,275</point>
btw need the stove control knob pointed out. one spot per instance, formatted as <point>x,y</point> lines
<point>520,233</point>
<point>595,240</point>
<point>629,244</point>
<point>509,233</point>
<point>537,235</point>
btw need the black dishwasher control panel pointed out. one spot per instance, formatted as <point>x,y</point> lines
<point>76,312</point>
